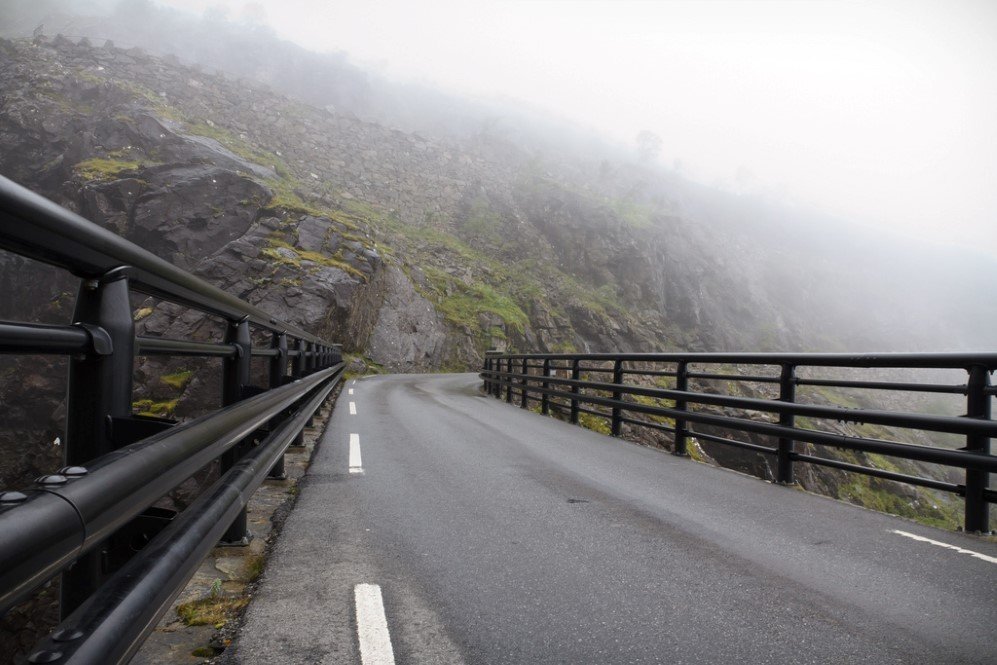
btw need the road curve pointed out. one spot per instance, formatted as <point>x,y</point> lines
<point>496,535</point>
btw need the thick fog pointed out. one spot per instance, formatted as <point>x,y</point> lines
<point>880,111</point>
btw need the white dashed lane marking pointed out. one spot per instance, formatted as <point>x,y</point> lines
<point>372,626</point>
<point>960,550</point>
<point>353,408</point>
<point>356,465</point>
<point>351,391</point>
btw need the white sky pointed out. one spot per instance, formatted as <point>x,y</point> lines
<point>883,111</point>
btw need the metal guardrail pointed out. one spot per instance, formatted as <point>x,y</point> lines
<point>122,561</point>
<point>562,382</point>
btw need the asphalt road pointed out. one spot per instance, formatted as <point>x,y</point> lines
<point>497,535</point>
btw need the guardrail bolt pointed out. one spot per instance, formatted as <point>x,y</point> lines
<point>51,480</point>
<point>12,498</point>
<point>67,634</point>
<point>74,471</point>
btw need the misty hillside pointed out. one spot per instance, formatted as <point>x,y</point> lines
<point>420,253</point>
<point>617,254</point>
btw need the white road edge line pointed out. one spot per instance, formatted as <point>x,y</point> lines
<point>356,466</point>
<point>372,626</point>
<point>353,408</point>
<point>351,391</point>
<point>960,550</point>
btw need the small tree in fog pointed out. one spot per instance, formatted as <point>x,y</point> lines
<point>648,145</point>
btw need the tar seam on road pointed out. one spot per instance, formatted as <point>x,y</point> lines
<point>960,550</point>
<point>353,408</point>
<point>356,466</point>
<point>372,626</point>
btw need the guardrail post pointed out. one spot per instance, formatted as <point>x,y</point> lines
<point>681,433</point>
<point>313,366</point>
<point>575,376</point>
<point>497,386</point>
<point>508,387</point>
<point>278,370</point>
<point>100,388</point>
<point>787,393</point>
<point>488,368</point>
<point>235,375</point>
<point>524,398</point>
<point>298,370</point>
<point>977,518</point>
<point>617,420</point>
<point>545,398</point>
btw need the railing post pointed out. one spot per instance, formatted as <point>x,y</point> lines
<point>313,365</point>
<point>298,366</point>
<point>977,518</point>
<point>575,376</point>
<point>278,370</point>
<point>508,387</point>
<point>787,393</point>
<point>497,386</point>
<point>298,370</point>
<point>100,388</point>
<point>617,420</point>
<point>235,375</point>
<point>524,398</point>
<point>545,398</point>
<point>681,433</point>
<point>487,369</point>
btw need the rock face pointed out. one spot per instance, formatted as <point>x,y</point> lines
<point>409,333</point>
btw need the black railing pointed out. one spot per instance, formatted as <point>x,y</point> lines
<point>563,382</point>
<point>89,520</point>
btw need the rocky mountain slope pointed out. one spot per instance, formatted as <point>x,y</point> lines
<point>416,253</point>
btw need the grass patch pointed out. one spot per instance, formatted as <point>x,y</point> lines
<point>636,215</point>
<point>872,493</point>
<point>461,303</point>
<point>103,169</point>
<point>237,145</point>
<point>275,244</point>
<point>148,407</point>
<point>178,380</point>
<point>254,566</point>
<point>644,400</point>
<point>211,611</point>
<point>594,423</point>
